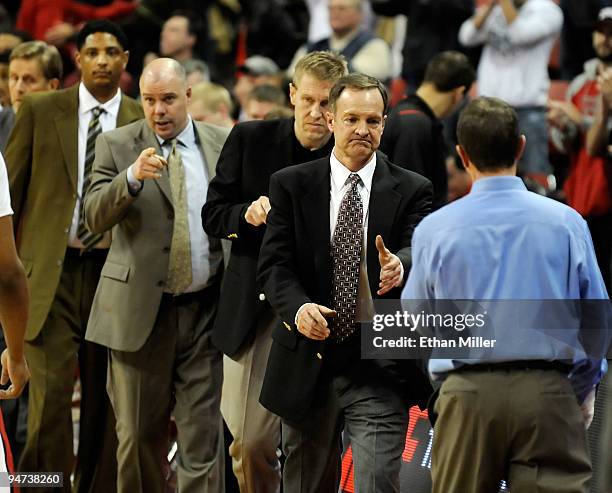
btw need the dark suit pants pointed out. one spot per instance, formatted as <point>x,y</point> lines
<point>364,401</point>
<point>53,357</point>
<point>177,370</point>
<point>521,425</point>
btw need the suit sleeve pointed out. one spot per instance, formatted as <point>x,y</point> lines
<point>18,157</point>
<point>277,269</point>
<point>224,210</point>
<point>421,207</point>
<point>107,199</point>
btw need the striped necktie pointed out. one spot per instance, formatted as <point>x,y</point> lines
<point>88,238</point>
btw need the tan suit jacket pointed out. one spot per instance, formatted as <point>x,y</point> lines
<point>41,158</point>
<point>133,277</point>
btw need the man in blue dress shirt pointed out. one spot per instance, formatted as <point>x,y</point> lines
<point>518,411</point>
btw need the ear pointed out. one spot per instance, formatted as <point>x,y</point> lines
<point>292,91</point>
<point>126,57</point>
<point>77,60</point>
<point>329,117</point>
<point>188,93</point>
<point>521,148</point>
<point>463,155</point>
<point>53,84</point>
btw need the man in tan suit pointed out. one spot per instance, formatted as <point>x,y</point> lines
<point>158,293</point>
<point>49,160</point>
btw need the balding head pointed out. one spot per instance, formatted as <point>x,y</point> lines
<point>165,95</point>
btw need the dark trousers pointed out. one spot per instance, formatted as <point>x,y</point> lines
<point>370,407</point>
<point>53,357</point>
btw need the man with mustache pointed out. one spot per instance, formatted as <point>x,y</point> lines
<point>326,254</point>
<point>236,209</point>
<point>518,37</point>
<point>49,156</point>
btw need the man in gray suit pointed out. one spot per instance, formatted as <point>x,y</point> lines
<point>158,291</point>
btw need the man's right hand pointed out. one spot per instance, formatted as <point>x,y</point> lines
<point>17,372</point>
<point>257,213</point>
<point>148,166</point>
<point>311,321</point>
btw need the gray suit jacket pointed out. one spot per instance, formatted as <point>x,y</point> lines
<point>132,281</point>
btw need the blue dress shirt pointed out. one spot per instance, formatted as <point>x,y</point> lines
<point>502,242</point>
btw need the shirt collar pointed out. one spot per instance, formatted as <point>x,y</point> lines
<point>340,173</point>
<point>498,183</point>
<point>187,136</point>
<point>87,102</point>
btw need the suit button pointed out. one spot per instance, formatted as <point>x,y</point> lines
<point>319,355</point>
<point>160,283</point>
<point>166,249</point>
<point>67,230</point>
<point>262,297</point>
<point>170,215</point>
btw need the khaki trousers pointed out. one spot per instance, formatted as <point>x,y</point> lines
<point>178,371</point>
<point>524,426</point>
<point>53,357</point>
<point>256,431</point>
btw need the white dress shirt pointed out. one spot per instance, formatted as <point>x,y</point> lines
<point>514,62</point>
<point>5,198</point>
<point>196,186</point>
<point>108,121</point>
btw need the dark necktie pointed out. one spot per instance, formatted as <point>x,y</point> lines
<point>346,255</point>
<point>88,238</point>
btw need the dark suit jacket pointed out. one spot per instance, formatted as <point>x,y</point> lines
<point>252,152</point>
<point>42,164</point>
<point>295,267</point>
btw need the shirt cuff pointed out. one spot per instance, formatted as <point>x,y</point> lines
<point>134,185</point>
<point>298,313</point>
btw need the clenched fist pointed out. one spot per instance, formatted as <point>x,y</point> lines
<point>148,166</point>
<point>257,213</point>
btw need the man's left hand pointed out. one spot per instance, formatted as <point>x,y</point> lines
<point>588,409</point>
<point>390,268</point>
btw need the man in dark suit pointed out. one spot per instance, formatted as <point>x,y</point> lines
<point>236,209</point>
<point>49,157</point>
<point>322,262</point>
<point>157,296</point>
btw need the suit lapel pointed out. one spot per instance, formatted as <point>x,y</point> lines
<point>315,211</point>
<point>384,201</point>
<point>67,126</point>
<point>209,148</point>
<point>284,145</point>
<point>148,139</point>
<point>125,115</point>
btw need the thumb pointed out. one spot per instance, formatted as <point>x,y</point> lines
<point>149,151</point>
<point>380,246</point>
<point>327,312</point>
<point>5,375</point>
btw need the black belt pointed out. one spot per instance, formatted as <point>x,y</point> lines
<point>186,298</point>
<point>80,253</point>
<point>536,364</point>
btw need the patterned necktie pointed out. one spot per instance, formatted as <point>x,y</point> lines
<point>179,268</point>
<point>88,238</point>
<point>346,255</point>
